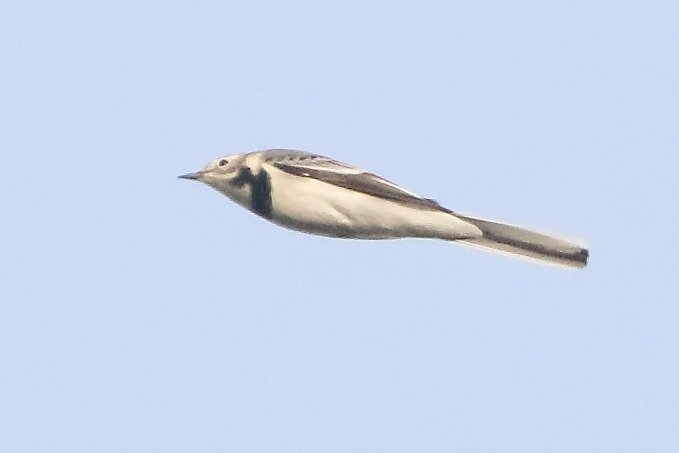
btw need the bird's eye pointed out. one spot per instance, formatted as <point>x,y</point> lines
<point>223,162</point>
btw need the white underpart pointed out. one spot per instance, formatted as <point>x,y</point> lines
<point>312,206</point>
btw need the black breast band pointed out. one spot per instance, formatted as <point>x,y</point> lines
<point>260,191</point>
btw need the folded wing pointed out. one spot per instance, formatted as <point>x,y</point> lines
<point>338,174</point>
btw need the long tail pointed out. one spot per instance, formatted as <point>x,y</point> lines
<point>519,241</point>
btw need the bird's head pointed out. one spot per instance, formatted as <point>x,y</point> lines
<point>225,174</point>
<point>217,171</point>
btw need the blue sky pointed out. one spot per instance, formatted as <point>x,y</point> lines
<point>142,313</point>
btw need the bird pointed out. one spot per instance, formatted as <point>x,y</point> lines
<point>318,195</point>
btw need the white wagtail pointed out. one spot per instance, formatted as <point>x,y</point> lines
<point>318,195</point>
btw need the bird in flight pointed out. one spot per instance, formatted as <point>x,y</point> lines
<point>318,195</point>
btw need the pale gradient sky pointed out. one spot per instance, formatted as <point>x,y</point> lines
<point>142,313</point>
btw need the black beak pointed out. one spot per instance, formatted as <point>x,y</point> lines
<point>194,176</point>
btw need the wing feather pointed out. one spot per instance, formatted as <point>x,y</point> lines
<point>339,174</point>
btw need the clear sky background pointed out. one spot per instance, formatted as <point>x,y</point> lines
<point>139,312</point>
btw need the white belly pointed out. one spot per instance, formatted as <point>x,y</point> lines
<point>316,207</point>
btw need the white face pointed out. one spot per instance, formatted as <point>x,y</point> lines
<point>221,174</point>
<point>220,170</point>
